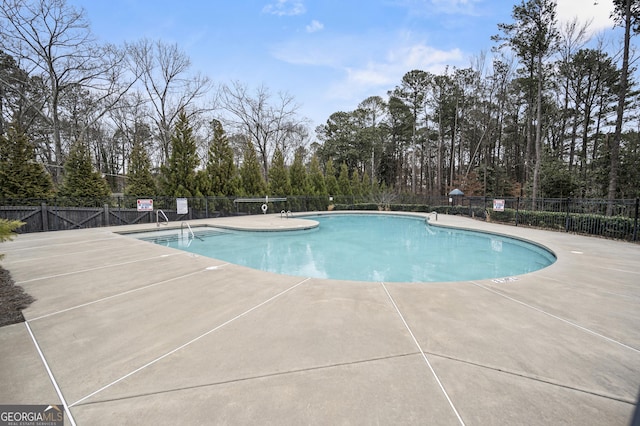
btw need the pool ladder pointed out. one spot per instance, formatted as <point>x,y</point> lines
<point>188,227</point>
<point>286,213</point>
<point>166,219</point>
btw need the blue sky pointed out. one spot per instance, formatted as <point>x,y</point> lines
<point>328,54</point>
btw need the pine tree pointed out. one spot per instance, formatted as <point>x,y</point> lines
<point>221,172</point>
<point>627,14</point>
<point>356,185</point>
<point>279,185</point>
<point>21,176</point>
<point>179,175</point>
<point>317,183</point>
<point>81,180</point>
<point>330,179</point>
<point>533,37</point>
<point>6,230</point>
<point>252,182</point>
<point>298,175</point>
<point>366,184</point>
<point>203,183</point>
<point>344,186</point>
<point>140,182</point>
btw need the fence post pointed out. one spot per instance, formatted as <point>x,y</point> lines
<point>45,216</point>
<point>106,215</point>
<point>635,221</point>
<point>566,221</point>
<point>119,211</point>
<point>517,209</point>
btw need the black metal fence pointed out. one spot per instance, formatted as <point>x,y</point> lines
<point>617,219</point>
<point>583,216</point>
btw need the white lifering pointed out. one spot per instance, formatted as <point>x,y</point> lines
<point>264,208</point>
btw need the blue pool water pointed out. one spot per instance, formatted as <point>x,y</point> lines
<point>368,248</point>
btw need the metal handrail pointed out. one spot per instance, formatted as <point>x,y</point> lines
<point>286,213</point>
<point>166,219</point>
<point>188,226</point>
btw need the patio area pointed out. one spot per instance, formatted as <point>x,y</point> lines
<point>127,332</point>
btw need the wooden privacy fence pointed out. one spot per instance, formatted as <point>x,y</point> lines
<point>46,217</point>
<point>59,214</point>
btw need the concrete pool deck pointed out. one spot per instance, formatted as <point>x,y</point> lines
<point>136,333</point>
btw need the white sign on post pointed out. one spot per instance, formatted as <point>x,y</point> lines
<point>145,205</point>
<point>182,206</point>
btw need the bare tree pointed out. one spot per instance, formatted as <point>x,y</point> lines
<point>168,85</point>
<point>53,41</point>
<point>130,125</point>
<point>573,36</point>
<point>268,123</point>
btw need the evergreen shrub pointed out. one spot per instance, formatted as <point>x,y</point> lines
<point>6,229</point>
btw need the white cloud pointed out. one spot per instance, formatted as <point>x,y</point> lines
<point>421,7</point>
<point>596,11</point>
<point>323,51</point>
<point>366,65</point>
<point>455,6</point>
<point>285,8</point>
<point>314,26</point>
<point>421,56</point>
<point>371,75</point>
<point>386,73</point>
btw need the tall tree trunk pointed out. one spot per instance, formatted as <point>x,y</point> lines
<point>572,145</point>
<point>528,142</point>
<point>614,147</point>
<point>413,156</point>
<point>57,140</point>
<point>538,141</point>
<point>452,168</point>
<point>439,159</point>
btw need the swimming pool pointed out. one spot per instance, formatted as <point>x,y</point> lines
<point>366,247</point>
